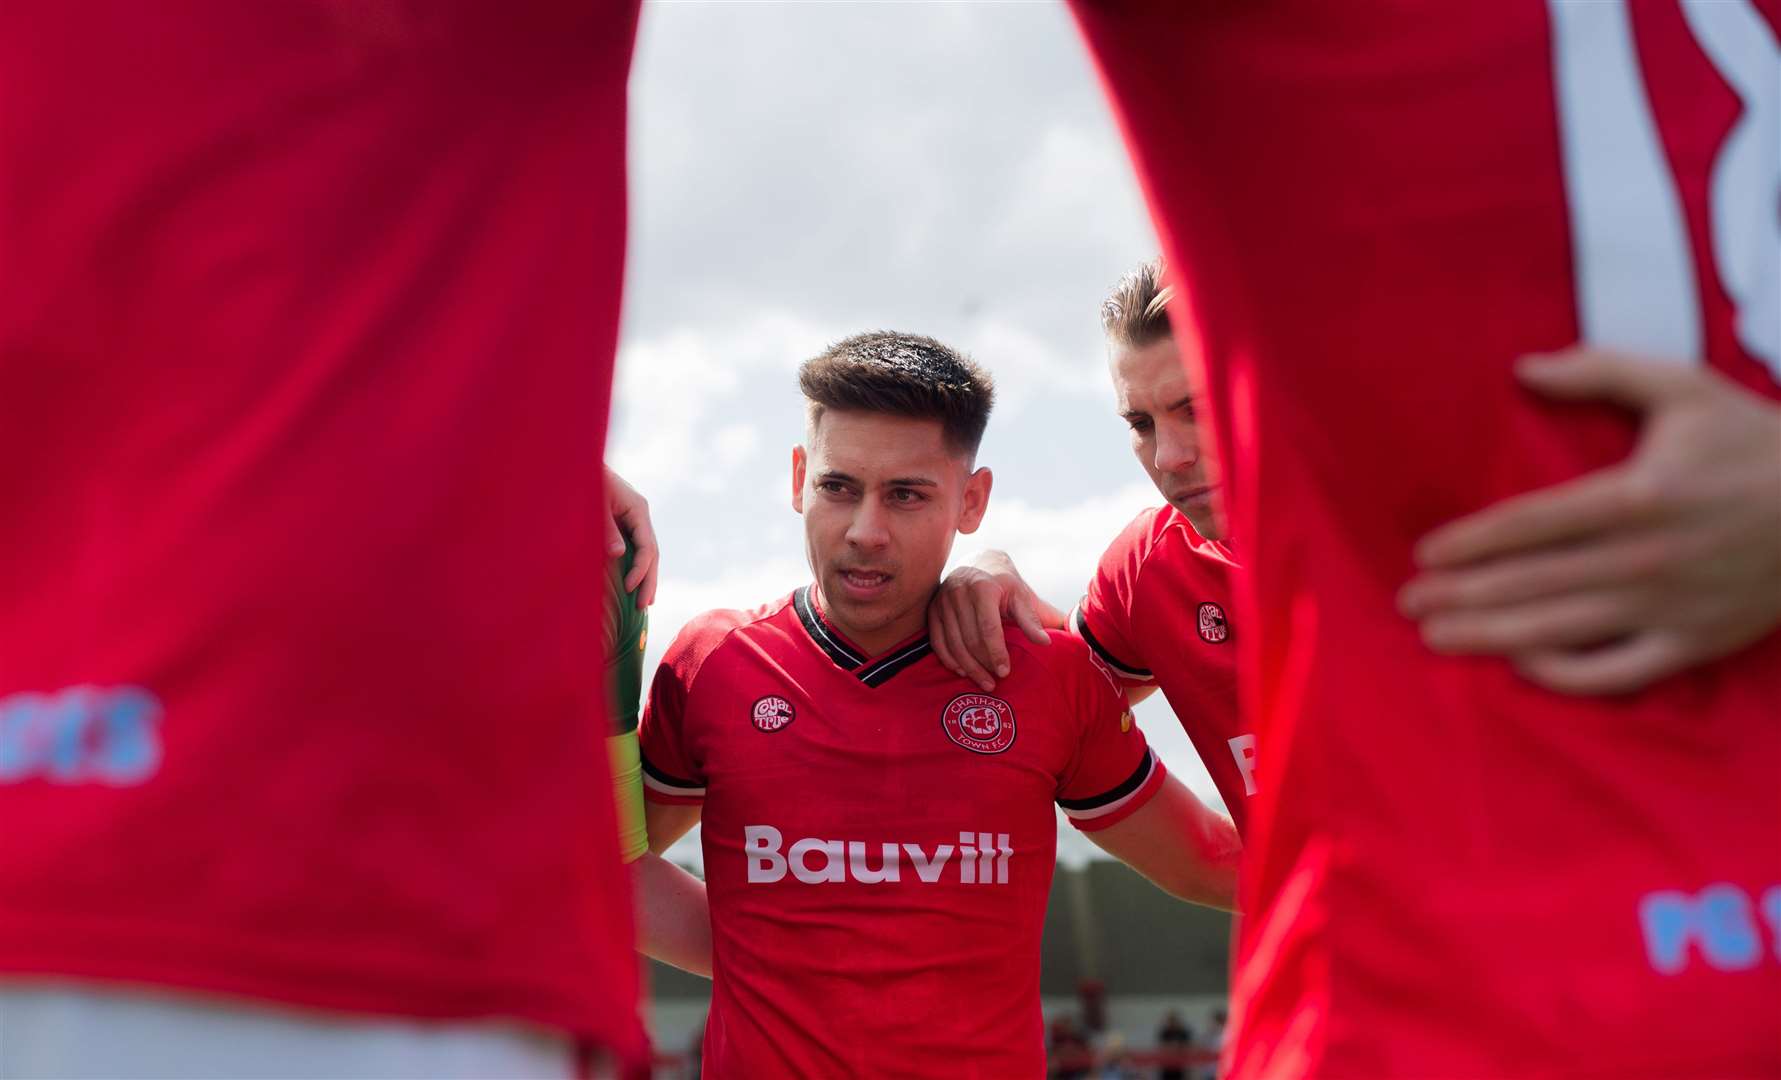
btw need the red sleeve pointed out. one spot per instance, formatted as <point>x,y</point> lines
<point>1113,772</point>
<point>671,772</point>
<point>1103,618</point>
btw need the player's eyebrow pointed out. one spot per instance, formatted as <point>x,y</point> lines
<point>895,481</point>
<point>1129,415</point>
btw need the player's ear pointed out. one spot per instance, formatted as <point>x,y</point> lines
<point>977,487</point>
<point>799,460</point>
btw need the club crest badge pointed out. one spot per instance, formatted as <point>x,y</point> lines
<point>772,713</point>
<point>979,723</point>
<point>1214,630</point>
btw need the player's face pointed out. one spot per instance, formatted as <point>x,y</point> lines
<point>1157,401</point>
<point>882,498</point>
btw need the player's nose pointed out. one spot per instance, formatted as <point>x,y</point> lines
<point>866,529</point>
<point>1176,450</point>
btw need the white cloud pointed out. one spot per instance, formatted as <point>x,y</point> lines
<point>679,397</point>
<point>1056,546</point>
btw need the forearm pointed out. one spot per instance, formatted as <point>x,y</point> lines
<point>665,823</point>
<point>1183,846</point>
<point>1209,876</point>
<point>673,916</point>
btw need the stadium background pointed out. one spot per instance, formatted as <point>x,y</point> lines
<point>947,170</point>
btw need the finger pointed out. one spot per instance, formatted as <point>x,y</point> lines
<point>643,577</point>
<point>646,562</point>
<point>939,637</point>
<point>1595,374</point>
<point>967,664</point>
<point>1566,621</point>
<point>1620,668</point>
<point>1021,609</point>
<point>1514,579</point>
<point>615,539</point>
<point>991,637</point>
<point>1609,498</point>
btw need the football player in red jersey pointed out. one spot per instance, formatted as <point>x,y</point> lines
<point>1374,213</point>
<point>1157,609</point>
<point>306,338</point>
<point>879,835</point>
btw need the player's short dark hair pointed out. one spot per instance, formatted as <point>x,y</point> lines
<point>1136,312</point>
<point>903,375</point>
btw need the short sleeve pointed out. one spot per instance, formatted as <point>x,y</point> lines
<point>670,770</point>
<point>1103,618</point>
<point>1114,771</point>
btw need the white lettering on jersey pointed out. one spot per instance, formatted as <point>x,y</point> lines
<point>1636,283</point>
<point>761,844</point>
<point>1746,176</point>
<point>834,867</point>
<point>925,868</point>
<point>887,867</point>
<point>1243,749</point>
<point>1635,288</point>
<point>984,859</point>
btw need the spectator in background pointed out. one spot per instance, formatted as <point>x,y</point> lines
<point>1114,1062</point>
<point>1174,1037</point>
<point>1069,1051</point>
<point>1212,1044</point>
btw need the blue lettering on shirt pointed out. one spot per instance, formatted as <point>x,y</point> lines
<point>1719,921</point>
<point>80,735</point>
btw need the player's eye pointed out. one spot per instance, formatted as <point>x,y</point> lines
<point>1141,425</point>
<point>831,487</point>
<point>907,496</point>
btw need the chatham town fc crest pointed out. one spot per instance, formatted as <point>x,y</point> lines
<point>979,723</point>
<point>772,713</point>
<point>1213,629</point>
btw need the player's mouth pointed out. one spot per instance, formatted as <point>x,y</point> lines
<point>863,585</point>
<point>1195,496</point>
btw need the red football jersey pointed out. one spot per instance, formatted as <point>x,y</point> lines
<point>1373,209</point>
<point>1157,610</point>
<point>879,838</point>
<point>306,336</point>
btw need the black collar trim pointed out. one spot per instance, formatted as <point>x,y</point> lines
<point>874,674</point>
<point>879,673</point>
<point>829,643</point>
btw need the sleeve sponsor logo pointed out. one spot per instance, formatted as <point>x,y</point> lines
<point>1214,628</point>
<point>979,723</point>
<point>772,713</point>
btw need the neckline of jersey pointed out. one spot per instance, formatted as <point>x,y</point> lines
<point>1221,548</point>
<point>844,654</point>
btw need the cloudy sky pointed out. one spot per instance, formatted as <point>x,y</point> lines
<point>801,172</point>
